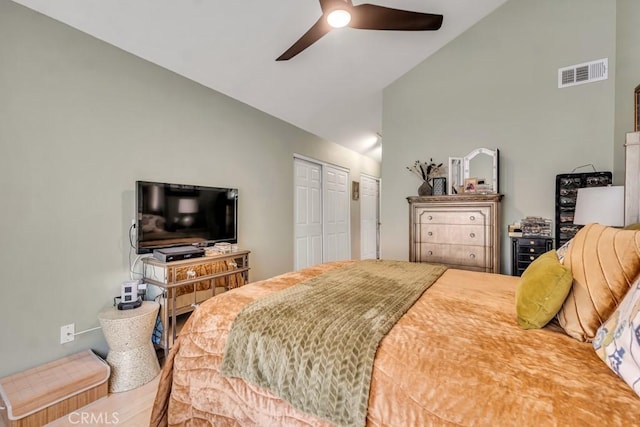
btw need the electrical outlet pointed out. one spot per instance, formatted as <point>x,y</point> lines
<point>67,333</point>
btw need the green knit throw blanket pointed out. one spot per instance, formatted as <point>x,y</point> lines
<point>313,344</point>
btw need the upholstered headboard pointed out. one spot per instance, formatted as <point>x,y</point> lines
<point>632,179</point>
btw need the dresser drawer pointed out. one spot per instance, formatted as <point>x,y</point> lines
<point>531,245</point>
<point>528,258</point>
<point>460,255</point>
<point>472,235</point>
<point>452,215</point>
<point>531,250</point>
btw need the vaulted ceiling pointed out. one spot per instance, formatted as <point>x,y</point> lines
<point>333,89</point>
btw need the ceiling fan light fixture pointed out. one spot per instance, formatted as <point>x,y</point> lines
<point>337,14</point>
<point>338,18</point>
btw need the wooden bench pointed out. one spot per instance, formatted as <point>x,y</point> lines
<point>42,394</point>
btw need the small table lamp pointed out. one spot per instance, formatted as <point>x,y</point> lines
<point>186,209</point>
<point>604,205</point>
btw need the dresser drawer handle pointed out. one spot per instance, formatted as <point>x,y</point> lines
<point>430,233</point>
<point>531,242</point>
<point>472,256</point>
<point>531,250</point>
<point>532,258</point>
<point>472,235</point>
<point>430,253</point>
<point>472,218</point>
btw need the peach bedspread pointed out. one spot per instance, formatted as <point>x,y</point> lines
<point>456,358</point>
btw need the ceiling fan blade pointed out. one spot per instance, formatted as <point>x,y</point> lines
<point>319,29</point>
<point>374,17</point>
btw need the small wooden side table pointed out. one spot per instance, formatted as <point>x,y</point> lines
<point>131,355</point>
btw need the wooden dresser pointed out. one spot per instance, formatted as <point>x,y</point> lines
<point>461,231</point>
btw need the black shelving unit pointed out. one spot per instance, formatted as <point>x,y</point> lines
<point>567,185</point>
<point>524,250</point>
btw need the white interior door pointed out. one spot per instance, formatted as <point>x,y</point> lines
<point>336,223</point>
<point>307,214</point>
<point>369,217</point>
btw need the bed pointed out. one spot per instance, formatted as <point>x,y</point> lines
<point>469,351</point>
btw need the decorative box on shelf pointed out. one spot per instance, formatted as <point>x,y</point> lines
<point>439,186</point>
<point>515,230</point>
<point>535,226</point>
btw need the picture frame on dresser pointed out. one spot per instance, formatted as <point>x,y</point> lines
<point>470,185</point>
<point>355,190</point>
<point>439,186</point>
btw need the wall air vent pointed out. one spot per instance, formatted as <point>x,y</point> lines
<point>583,73</point>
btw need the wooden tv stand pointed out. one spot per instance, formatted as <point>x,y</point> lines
<point>189,277</point>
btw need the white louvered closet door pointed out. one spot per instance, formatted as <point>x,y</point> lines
<point>321,213</point>
<point>307,214</point>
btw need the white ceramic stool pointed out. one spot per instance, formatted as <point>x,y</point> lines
<point>131,355</point>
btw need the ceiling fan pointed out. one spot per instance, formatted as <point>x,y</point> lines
<point>341,13</point>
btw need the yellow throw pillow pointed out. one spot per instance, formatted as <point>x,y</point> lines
<point>542,289</point>
<point>604,262</point>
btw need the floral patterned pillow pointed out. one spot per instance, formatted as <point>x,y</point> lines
<point>618,339</point>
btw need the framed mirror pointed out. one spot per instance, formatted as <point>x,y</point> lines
<point>481,164</point>
<point>455,175</point>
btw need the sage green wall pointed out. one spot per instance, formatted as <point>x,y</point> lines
<point>495,86</point>
<point>627,76</point>
<point>80,122</point>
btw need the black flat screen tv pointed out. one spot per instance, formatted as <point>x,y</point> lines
<point>177,215</point>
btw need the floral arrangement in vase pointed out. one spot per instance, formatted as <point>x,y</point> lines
<point>426,171</point>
